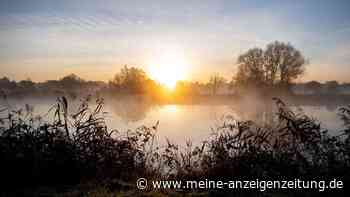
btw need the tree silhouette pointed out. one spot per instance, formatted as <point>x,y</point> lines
<point>251,69</point>
<point>131,80</point>
<point>332,87</point>
<point>283,63</point>
<point>215,82</point>
<point>314,86</point>
<point>279,64</point>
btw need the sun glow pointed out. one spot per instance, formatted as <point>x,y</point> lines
<point>169,69</point>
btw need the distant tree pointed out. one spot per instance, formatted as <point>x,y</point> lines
<point>314,86</point>
<point>71,81</point>
<point>215,82</point>
<point>346,85</point>
<point>70,85</point>
<point>6,84</point>
<point>251,68</point>
<point>332,87</point>
<point>26,84</point>
<point>4,80</point>
<point>72,78</point>
<point>278,64</point>
<point>283,63</point>
<point>131,80</point>
<point>185,88</point>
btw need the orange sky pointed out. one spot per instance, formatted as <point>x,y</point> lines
<point>44,40</point>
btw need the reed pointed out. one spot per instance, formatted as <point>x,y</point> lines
<point>77,147</point>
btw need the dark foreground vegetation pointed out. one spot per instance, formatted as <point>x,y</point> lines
<point>75,154</point>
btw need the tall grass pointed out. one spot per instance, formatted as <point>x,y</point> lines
<point>68,149</point>
<point>76,147</point>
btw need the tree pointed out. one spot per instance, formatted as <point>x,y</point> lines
<point>28,83</point>
<point>278,64</point>
<point>71,81</point>
<point>6,84</point>
<point>332,87</point>
<point>251,68</point>
<point>314,86</point>
<point>283,63</point>
<point>215,82</point>
<point>131,80</point>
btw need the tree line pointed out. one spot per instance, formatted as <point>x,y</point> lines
<point>274,68</point>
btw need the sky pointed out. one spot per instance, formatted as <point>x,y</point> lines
<point>44,39</point>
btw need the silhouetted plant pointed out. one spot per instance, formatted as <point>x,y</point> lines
<point>70,148</point>
<point>77,146</point>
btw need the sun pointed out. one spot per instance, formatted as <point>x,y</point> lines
<point>168,70</point>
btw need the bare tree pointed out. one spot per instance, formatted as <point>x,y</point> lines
<point>283,63</point>
<point>278,64</point>
<point>251,68</point>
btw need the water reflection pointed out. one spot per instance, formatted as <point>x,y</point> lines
<point>170,108</point>
<point>182,122</point>
<point>131,109</point>
<point>261,112</point>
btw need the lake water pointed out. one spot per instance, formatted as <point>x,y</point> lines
<point>179,123</point>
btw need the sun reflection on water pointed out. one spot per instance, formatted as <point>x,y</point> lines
<point>170,108</point>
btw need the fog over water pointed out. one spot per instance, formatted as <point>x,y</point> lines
<point>179,123</point>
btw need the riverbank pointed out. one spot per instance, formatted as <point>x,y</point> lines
<point>77,148</point>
